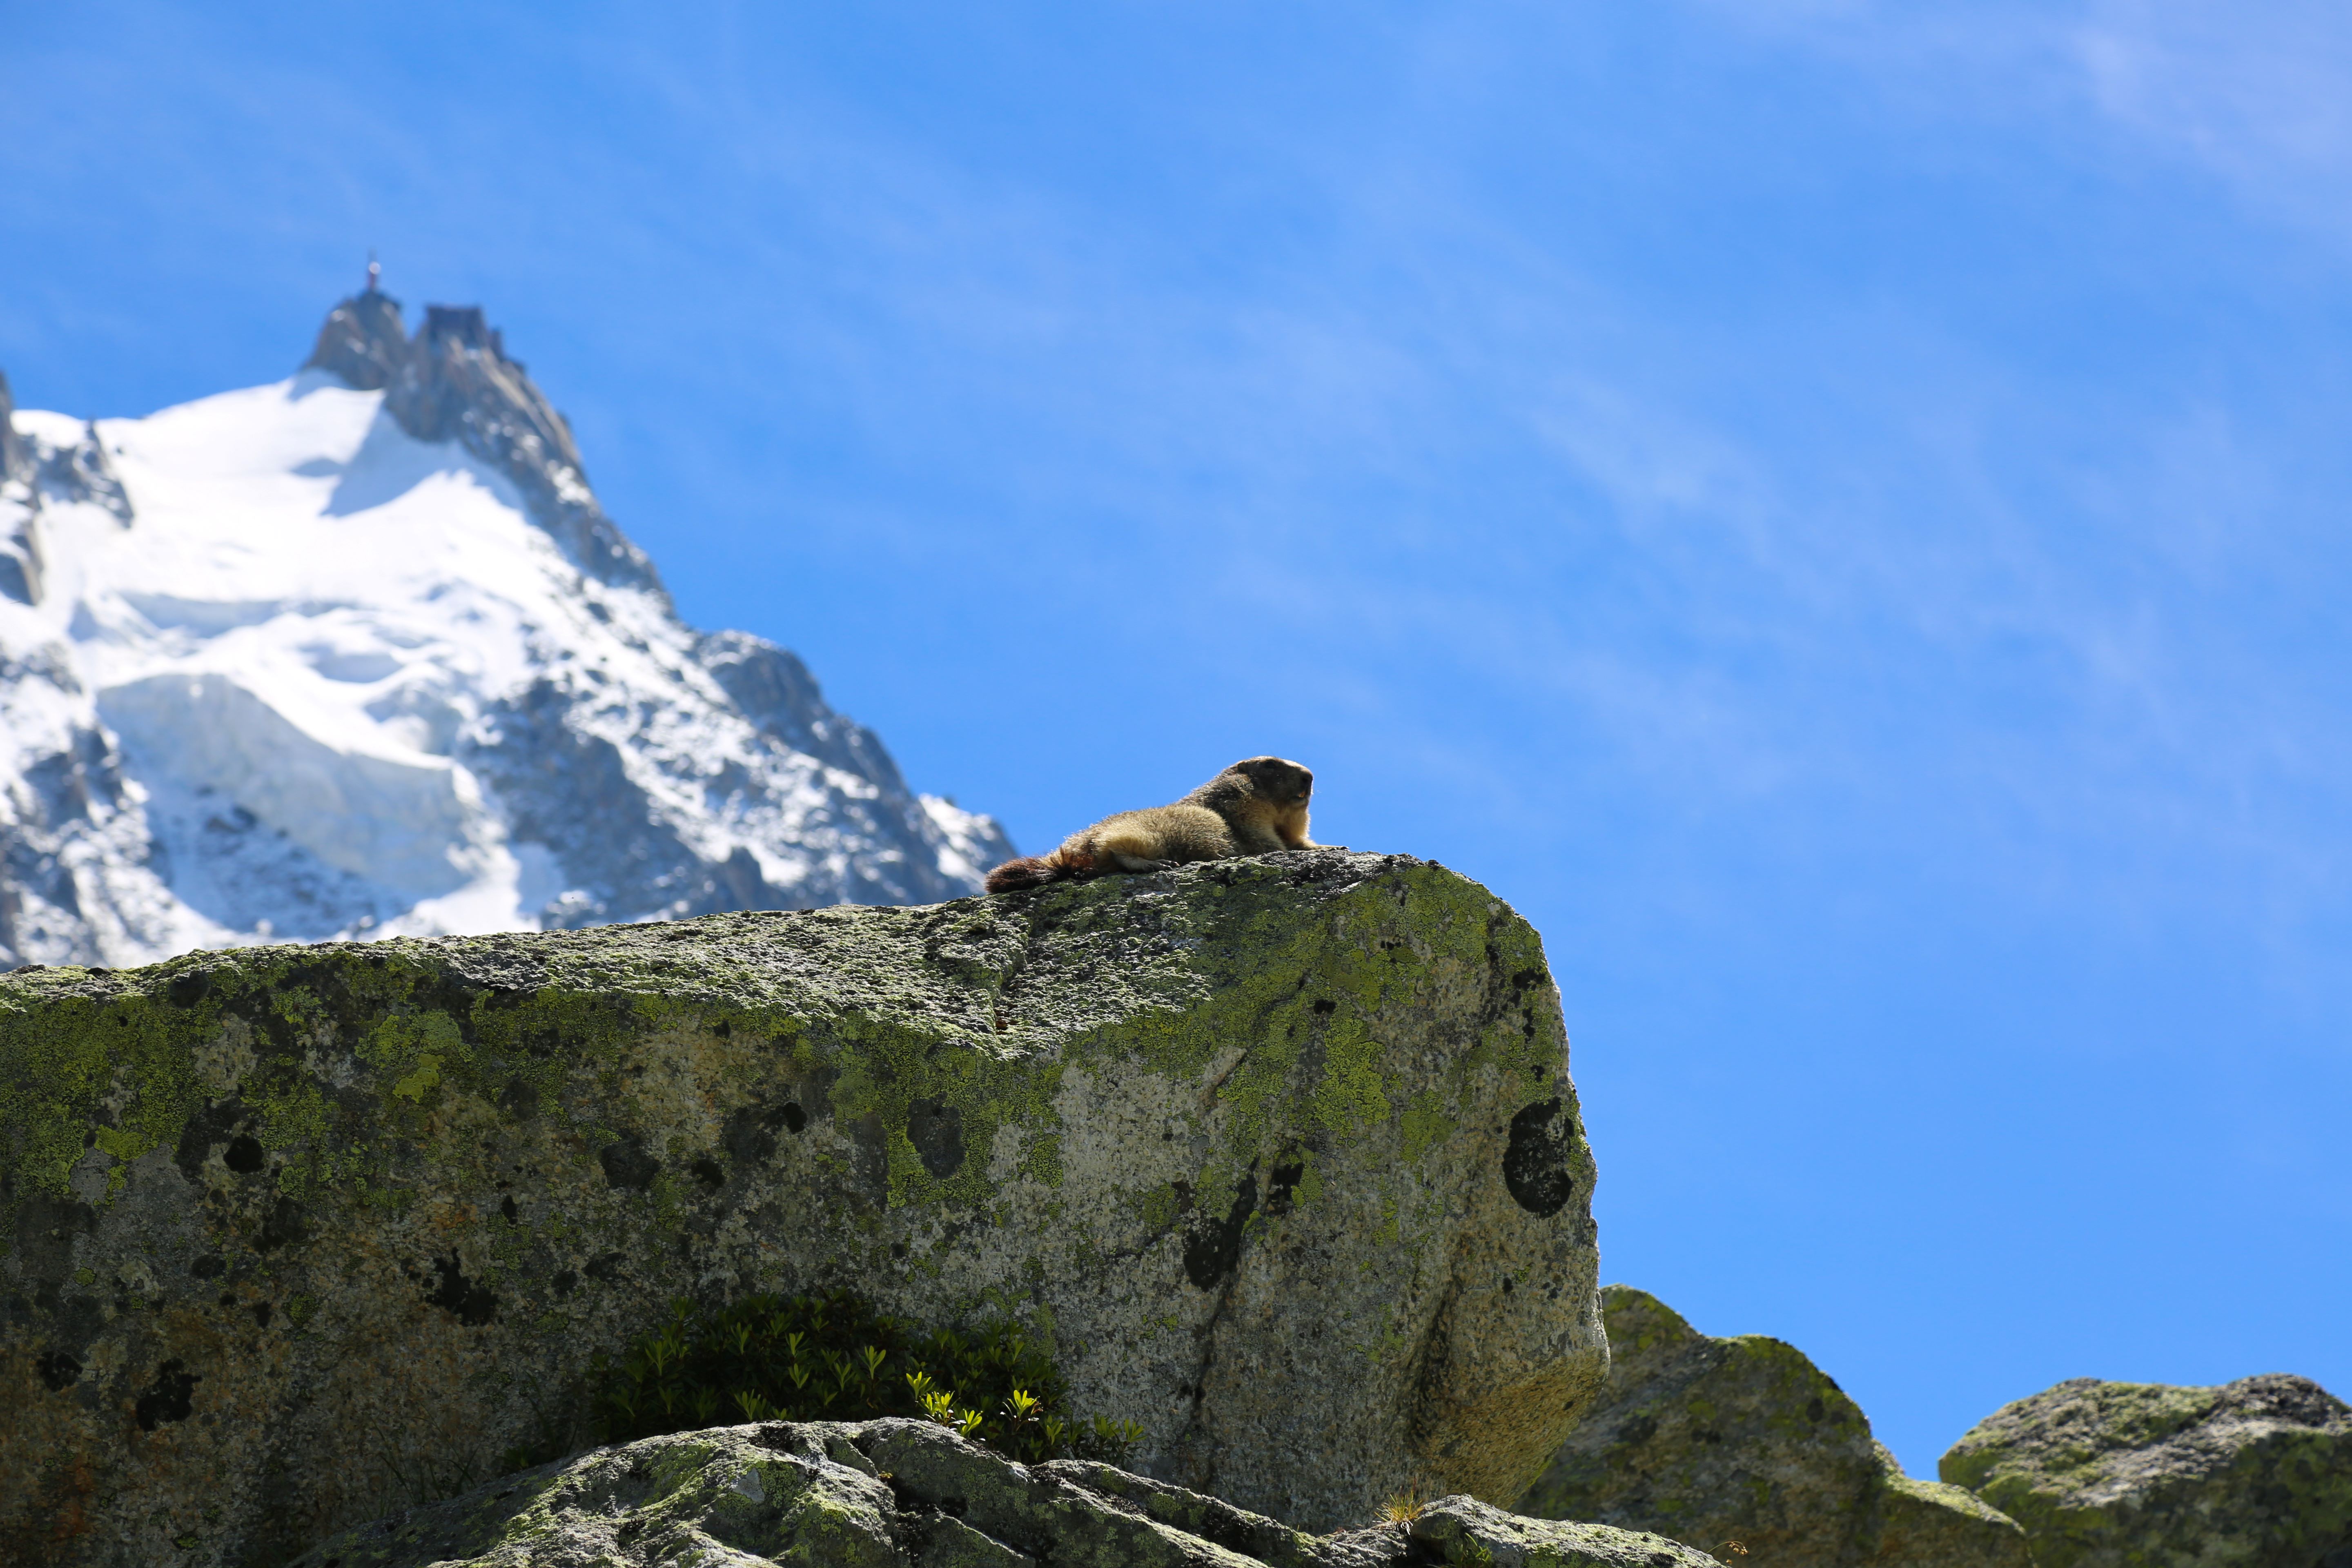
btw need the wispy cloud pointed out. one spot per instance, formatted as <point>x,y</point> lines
<point>2258,95</point>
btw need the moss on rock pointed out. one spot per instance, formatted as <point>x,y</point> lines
<point>2139,1474</point>
<point>1278,1158</point>
<point>1716,1440</point>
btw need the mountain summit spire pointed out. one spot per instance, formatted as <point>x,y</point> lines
<point>453,381</point>
<point>378,664</point>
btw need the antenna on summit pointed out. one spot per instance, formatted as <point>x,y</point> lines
<point>375,274</point>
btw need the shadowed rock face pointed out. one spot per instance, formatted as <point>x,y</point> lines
<point>2256,1472</point>
<point>895,1493</point>
<point>300,1235</point>
<point>1713,1440</point>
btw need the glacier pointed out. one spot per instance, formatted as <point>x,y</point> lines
<point>359,653</point>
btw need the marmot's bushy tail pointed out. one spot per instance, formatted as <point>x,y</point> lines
<point>1036,871</point>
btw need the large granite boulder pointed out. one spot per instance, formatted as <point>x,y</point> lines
<point>1717,1440</point>
<point>907,1494</point>
<point>1278,1156</point>
<point>2102,1475</point>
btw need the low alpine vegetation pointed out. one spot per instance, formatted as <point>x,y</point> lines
<point>834,1358</point>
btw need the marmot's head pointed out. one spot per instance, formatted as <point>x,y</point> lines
<point>1275,779</point>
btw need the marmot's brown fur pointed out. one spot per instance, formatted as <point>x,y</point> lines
<point>1252,808</point>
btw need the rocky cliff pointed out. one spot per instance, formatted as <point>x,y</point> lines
<point>1279,1157</point>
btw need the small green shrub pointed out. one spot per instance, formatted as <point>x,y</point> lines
<point>834,1358</point>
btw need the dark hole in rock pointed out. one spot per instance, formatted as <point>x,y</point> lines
<point>245,1154</point>
<point>749,1133</point>
<point>706,1171</point>
<point>207,1125</point>
<point>795,1117</point>
<point>285,1225</point>
<point>627,1165</point>
<point>1278,1187</point>
<point>936,1129</point>
<point>171,1397</point>
<point>261,1314</point>
<point>1535,1162</point>
<point>506,1207</point>
<point>470,1302</point>
<point>228,1298</point>
<point>1324,1005</point>
<point>1212,1250</point>
<point>58,1371</point>
<point>211,1265</point>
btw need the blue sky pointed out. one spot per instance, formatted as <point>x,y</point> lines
<point>1836,511</point>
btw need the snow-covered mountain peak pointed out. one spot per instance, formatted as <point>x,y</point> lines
<point>359,653</point>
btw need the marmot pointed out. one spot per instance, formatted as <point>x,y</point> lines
<point>1254,807</point>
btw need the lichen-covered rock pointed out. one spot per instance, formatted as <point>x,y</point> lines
<point>1278,1156</point>
<point>2105,1475</point>
<point>1716,1440</point>
<point>907,1494</point>
<point>1929,1524</point>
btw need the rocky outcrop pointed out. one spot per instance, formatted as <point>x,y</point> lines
<point>1715,1440</point>
<point>453,381</point>
<point>15,462</point>
<point>82,472</point>
<point>905,1494</point>
<point>20,544</point>
<point>1279,1157</point>
<point>777,693</point>
<point>2102,1475</point>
